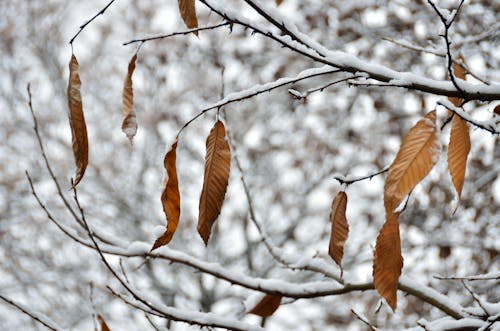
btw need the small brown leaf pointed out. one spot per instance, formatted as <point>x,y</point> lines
<point>104,326</point>
<point>217,167</point>
<point>77,121</point>
<point>497,110</point>
<point>340,228</point>
<point>188,13</point>
<point>278,2</point>
<point>170,198</point>
<point>267,306</point>
<point>129,124</point>
<point>416,157</point>
<point>458,150</point>
<point>459,72</point>
<point>388,262</point>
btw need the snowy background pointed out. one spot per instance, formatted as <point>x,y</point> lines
<point>289,150</point>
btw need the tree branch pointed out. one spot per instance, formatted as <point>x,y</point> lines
<point>83,26</point>
<point>143,40</point>
<point>36,316</point>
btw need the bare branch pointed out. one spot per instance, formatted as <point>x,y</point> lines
<point>83,26</point>
<point>143,40</point>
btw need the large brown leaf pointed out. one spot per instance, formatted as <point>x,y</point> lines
<point>77,121</point>
<point>188,13</point>
<point>340,228</point>
<point>217,166</point>
<point>458,150</point>
<point>129,124</point>
<point>388,262</point>
<point>267,306</point>
<point>416,157</point>
<point>170,198</point>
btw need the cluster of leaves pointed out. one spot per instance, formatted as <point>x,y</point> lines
<point>416,157</point>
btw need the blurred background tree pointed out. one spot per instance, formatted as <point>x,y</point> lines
<point>290,149</point>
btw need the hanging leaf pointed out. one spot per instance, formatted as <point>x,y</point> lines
<point>340,228</point>
<point>77,121</point>
<point>129,124</point>
<point>278,2</point>
<point>267,306</point>
<point>217,166</point>
<point>497,110</point>
<point>458,150</point>
<point>170,198</point>
<point>188,13</point>
<point>104,326</point>
<point>416,157</point>
<point>388,262</point>
<point>459,72</point>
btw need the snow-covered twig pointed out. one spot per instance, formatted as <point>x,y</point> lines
<point>259,89</point>
<point>487,125</point>
<point>490,276</point>
<point>36,316</point>
<point>349,181</point>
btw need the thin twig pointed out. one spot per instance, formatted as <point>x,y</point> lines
<point>251,93</point>
<point>364,320</point>
<point>475,298</point>
<point>470,278</point>
<point>33,315</point>
<point>50,170</point>
<point>447,25</point>
<point>458,111</point>
<point>143,40</point>
<point>83,26</point>
<point>321,88</point>
<point>271,248</point>
<point>458,62</point>
<point>348,182</point>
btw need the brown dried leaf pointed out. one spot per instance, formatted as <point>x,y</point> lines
<point>416,157</point>
<point>77,121</point>
<point>278,2</point>
<point>459,72</point>
<point>388,262</point>
<point>458,150</point>
<point>104,326</point>
<point>217,166</point>
<point>340,228</point>
<point>267,306</point>
<point>170,198</point>
<point>188,13</point>
<point>497,110</point>
<point>129,124</point>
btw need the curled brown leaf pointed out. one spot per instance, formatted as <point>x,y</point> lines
<point>458,151</point>
<point>129,124</point>
<point>340,228</point>
<point>170,198</point>
<point>388,262</point>
<point>77,121</point>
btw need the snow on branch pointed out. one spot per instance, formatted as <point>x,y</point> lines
<point>35,315</point>
<point>349,63</point>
